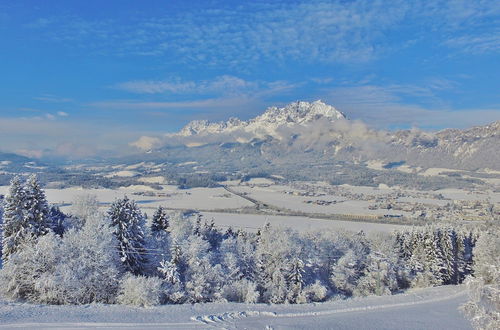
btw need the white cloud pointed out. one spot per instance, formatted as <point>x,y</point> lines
<point>146,143</point>
<point>53,99</point>
<point>62,114</point>
<point>196,104</point>
<point>476,44</point>
<point>383,107</point>
<point>312,31</point>
<point>37,137</point>
<point>220,85</point>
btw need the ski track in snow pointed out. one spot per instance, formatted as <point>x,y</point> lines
<point>230,316</point>
<point>384,312</point>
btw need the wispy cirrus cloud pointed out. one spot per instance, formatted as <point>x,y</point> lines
<point>385,107</point>
<point>52,99</point>
<point>220,85</point>
<point>157,105</point>
<point>476,44</point>
<point>231,36</point>
<point>314,31</point>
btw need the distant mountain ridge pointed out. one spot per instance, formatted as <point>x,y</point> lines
<point>267,124</point>
<point>316,126</point>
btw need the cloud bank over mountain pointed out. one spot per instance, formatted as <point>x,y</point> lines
<point>302,127</point>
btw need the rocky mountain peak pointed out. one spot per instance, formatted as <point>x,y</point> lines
<point>266,124</point>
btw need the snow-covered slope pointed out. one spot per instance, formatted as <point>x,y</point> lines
<point>431,308</point>
<point>269,122</point>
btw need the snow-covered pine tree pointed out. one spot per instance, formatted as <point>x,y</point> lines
<point>12,218</point>
<point>25,215</point>
<point>57,219</point>
<point>36,208</point>
<point>295,280</point>
<point>448,246</point>
<point>128,221</point>
<point>160,221</point>
<point>197,226</point>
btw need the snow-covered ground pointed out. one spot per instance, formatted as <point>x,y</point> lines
<point>251,222</point>
<point>431,308</point>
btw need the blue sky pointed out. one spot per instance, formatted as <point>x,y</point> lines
<point>83,77</point>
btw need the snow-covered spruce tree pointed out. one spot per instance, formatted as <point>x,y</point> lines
<point>295,279</point>
<point>12,218</point>
<point>210,234</point>
<point>57,220</point>
<point>26,214</point>
<point>160,220</point>
<point>128,222</point>
<point>36,208</point>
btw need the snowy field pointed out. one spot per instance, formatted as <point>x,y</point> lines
<point>212,200</point>
<point>169,196</point>
<point>208,199</point>
<point>251,222</point>
<point>431,308</point>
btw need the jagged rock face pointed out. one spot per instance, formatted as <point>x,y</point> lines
<point>267,124</point>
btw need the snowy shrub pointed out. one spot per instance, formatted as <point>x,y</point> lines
<point>25,275</point>
<point>140,291</point>
<point>243,291</point>
<point>279,279</point>
<point>379,279</point>
<point>82,208</point>
<point>203,279</point>
<point>89,269</point>
<point>79,269</point>
<point>315,292</point>
<point>483,307</point>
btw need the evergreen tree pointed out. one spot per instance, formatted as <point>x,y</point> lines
<point>57,219</point>
<point>26,214</point>
<point>128,221</point>
<point>295,279</point>
<point>12,219</point>
<point>160,221</point>
<point>36,207</point>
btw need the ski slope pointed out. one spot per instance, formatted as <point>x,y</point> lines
<point>431,308</point>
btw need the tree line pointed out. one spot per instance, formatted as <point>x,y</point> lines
<point>123,256</point>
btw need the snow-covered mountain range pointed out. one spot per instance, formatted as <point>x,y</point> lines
<point>319,127</point>
<point>267,124</point>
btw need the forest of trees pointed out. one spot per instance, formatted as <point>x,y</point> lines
<point>124,257</point>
